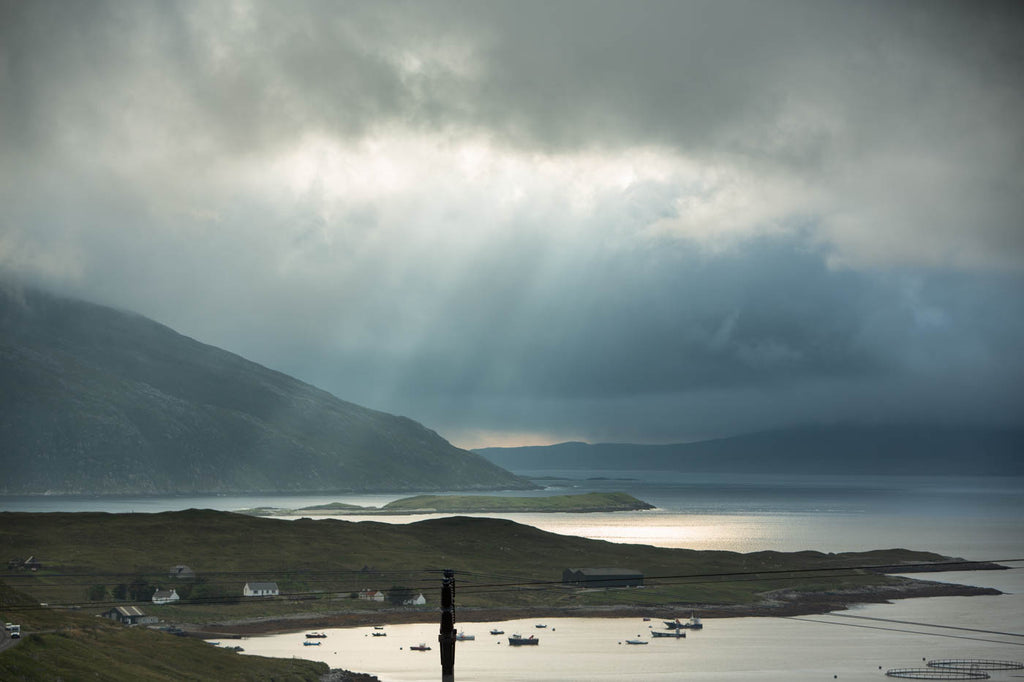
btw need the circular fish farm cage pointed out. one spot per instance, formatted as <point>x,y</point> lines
<point>936,674</point>
<point>974,664</point>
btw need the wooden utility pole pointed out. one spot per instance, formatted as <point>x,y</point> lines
<point>446,638</point>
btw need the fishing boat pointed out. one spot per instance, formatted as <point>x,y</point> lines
<point>692,624</point>
<point>675,634</point>
<point>308,643</point>
<point>496,631</point>
<point>315,635</point>
<point>378,627</point>
<point>463,637</point>
<point>379,634</point>
<point>519,640</point>
<point>420,647</point>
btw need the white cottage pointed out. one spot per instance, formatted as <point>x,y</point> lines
<point>165,596</point>
<point>261,590</point>
<point>418,600</point>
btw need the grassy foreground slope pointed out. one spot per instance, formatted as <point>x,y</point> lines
<point>319,564</point>
<point>63,645</point>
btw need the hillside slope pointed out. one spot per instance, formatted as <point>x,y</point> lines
<point>100,401</point>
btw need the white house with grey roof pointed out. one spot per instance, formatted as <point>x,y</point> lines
<point>260,590</point>
<point>165,596</point>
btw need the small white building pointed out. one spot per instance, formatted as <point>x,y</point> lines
<point>418,600</point>
<point>165,596</point>
<point>372,595</point>
<point>260,590</point>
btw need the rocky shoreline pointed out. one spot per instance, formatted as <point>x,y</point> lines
<point>779,603</point>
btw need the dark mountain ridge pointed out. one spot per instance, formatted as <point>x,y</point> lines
<point>848,449</point>
<point>99,401</point>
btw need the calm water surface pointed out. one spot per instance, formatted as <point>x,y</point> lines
<point>776,649</point>
<point>976,518</point>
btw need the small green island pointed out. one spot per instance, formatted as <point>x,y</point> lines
<point>470,504</point>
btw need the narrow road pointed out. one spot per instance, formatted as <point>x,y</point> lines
<point>6,642</point>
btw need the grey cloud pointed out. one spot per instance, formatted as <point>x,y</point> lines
<point>130,132</point>
<point>662,344</point>
<point>901,118</point>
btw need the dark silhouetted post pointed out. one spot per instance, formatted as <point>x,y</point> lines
<point>447,636</point>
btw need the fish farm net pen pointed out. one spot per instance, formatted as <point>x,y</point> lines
<point>936,674</point>
<point>974,664</point>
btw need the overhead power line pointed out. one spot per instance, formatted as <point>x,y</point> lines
<point>804,619</point>
<point>931,625</point>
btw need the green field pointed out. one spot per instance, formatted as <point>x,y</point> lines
<point>93,561</point>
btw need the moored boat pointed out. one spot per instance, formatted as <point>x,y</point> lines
<point>496,631</point>
<point>635,641</point>
<point>315,635</point>
<point>463,637</point>
<point>379,634</point>
<point>308,643</point>
<point>420,647</point>
<point>675,634</point>
<point>692,624</point>
<point>519,640</point>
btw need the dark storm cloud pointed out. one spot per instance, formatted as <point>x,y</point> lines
<point>661,345</point>
<point>603,220</point>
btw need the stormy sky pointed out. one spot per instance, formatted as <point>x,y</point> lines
<point>527,222</point>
